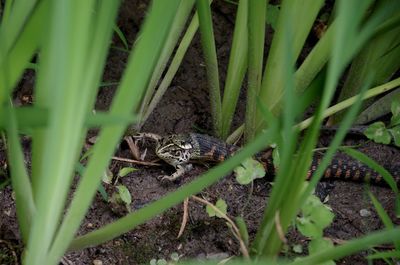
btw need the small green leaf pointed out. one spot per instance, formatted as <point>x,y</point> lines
<point>378,133</point>
<point>318,245</point>
<point>298,249</point>
<point>276,157</point>
<point>125,171</point>
<point>221,205</point>
<point>272,15</point>
<point>107,176</point>
<point>250,170</point>
<point>174,256</point>
<point>153,262</point>
<point>308,228</point>
<point>124,194</point>
<point>315,217</point>
<point>322,216</point>
<point>162,262</point>
<point>396,135</point>
<point>395,108</point>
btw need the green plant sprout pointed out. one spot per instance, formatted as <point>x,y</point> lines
<point>380,133</point>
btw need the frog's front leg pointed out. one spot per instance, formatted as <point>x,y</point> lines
<point>180,170</point>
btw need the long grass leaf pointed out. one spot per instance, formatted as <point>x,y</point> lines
<point>20,179</point>
<point>351,247</point>
<point>173,37</point>
<point>62,69</point>
<point>173,67</point>
<point>256,25</point>
<point>15,58</point>
<point>138,73</point>
<point>301,15</point>
<point>210,57</point>
<point>236,68</point>
<point>350,101</point>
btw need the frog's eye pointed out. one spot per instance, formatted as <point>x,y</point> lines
<point>177,153</point>
<point>184,145</point>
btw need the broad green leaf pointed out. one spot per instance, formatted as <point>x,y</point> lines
<point>221,205</point>
<point>249,171</point>
<point>125,171</point>
<point>378,133</point>
<point>395,108</point>
<point>124,194</point>
<point>396,135</point>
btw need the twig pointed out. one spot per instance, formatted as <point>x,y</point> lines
<point>235,229</point>
<point>135,161</point>
<point>184,217</point>
<point>279,229</point>
<point>132,146</point>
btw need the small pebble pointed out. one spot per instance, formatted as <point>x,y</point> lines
<point>89,225</point>
<point>365,213</point>
<point>97,262</point>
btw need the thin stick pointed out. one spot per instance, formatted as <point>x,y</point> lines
<point>184,217</point>
<point>135,161</point>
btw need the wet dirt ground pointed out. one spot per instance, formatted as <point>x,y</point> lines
<point>185,108</point>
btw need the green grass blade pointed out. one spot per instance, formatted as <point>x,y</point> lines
<point>180,20</point>
<point>379,108</point>
<point>334,145</point>
<point>351,247</point>
<point>301,16</point>
<point>315,60</point>
<point>6,10</point>
<point>14,59</point>
<point>19,177</point>
<point>121,36</point>
<point>210,57</point>
<point>173,67</point>
<point>348,102</point>
<point>18,12</point>
<point>378,58</point>
<point>32,118</point>
<point>383,215</point>
<point>256,34</point>
<point>385,255</point>
<point>62,72</point>
<point>236,68</point>
<point>286,197</point>
<point>130,221</point>
<point>141,64</point>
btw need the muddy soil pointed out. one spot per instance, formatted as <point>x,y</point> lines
<point>185,108</point>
